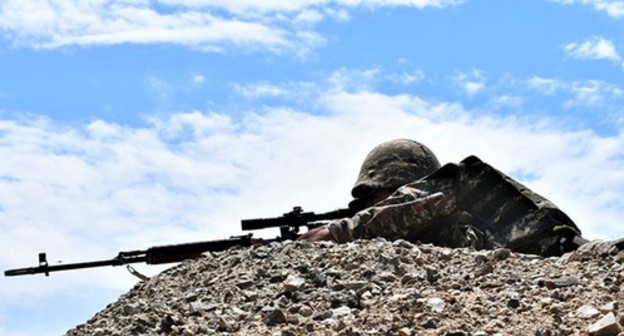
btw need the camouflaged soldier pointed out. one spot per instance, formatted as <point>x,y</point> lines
<point>403,193</point>
<point>388,167</point>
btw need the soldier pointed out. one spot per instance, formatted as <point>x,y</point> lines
<point>403,193</point>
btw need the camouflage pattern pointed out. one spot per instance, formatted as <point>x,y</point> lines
<point>393,164</point>
<point>409,212</point>
<point>466,205</point>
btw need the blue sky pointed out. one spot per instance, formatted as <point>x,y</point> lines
<point>127,124</point>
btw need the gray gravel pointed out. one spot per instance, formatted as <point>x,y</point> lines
<point>375,287</point>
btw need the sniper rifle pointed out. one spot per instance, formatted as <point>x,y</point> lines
<point>289,224</point>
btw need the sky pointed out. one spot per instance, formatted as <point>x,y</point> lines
<point>126,124</point>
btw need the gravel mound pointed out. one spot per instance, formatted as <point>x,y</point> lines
<point>375,287</point>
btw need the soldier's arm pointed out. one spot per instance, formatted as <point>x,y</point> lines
<point>317,234</point>
<point>409,210</point>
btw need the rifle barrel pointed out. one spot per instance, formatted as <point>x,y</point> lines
<point>65,267</point>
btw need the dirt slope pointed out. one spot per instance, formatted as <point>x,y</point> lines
<point>374,288</point>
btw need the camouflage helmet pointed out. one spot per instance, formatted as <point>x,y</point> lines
<point>393,164</point>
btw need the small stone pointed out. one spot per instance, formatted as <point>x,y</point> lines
<point>436,304</point>
<point>338,325</point>
<point>562,281</point>
<point>403,243</point>
<point>305,311</point>
<point>292,319</point>
<point>250,295</point>
<point>455,333</point>
<point>512,279</point>
<point>243,284</point>
<point>609,307</point>
<point>405,332</point>
<point>238,313</point>
<point>556,309</point>
<point>445,254</point>
<point>259,254</point>
<point>409,278</point>
<point>587,312</point>
<point>501,254</point>
<point>227,324</point>
<point>166,324</point>
<point>481,257</point>
<point>354,284</point>
<point>322,315</point>
<point>351,266</point>
<point>195,308</point>
<point>99,332</point>
<point>484,269</point>
<point>275,278</point>
<point>432,274</point>
<point>276,316</point>
<point>430,323</point>
<point>319,280</point>
<point>387,277</point>
<point>191,297</point>
<point>341,311</point>
<point>606,326</point>
<point>293,283</point>
<point>283,301</point>
<point>130,309</point>
<point>513,303</point>
<point>288,331</point>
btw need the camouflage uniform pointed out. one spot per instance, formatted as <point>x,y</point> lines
<point>470,204</point>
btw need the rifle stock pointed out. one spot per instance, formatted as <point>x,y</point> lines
<point>288,224</point>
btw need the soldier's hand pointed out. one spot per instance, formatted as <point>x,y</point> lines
<point>317,234</point>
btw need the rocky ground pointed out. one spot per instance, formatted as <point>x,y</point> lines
<point>375,288</point>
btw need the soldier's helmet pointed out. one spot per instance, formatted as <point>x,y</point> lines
<point>393,164</point>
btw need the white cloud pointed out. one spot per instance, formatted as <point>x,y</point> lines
<point>586,94</point>
<point>194,124</point>
<point>354,79</point>
<point>365,79</point>
<point>507,101</point>
<point>86,192</point>
<point>259,90</point>
<point>339,14</point>
<point>471,82</point>
<point>282,6</point>
<point>351,79</point>
<point>592,94</point>
<point>614,8</point>
<point>216,26</point>
<point>162,89</point>
<point>595,47</point>
<point>408,78</point>
<point>198,79</point>
<point>309,17</point>
<point>546,86</point>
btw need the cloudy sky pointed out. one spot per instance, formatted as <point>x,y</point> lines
<point>131,123</point>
